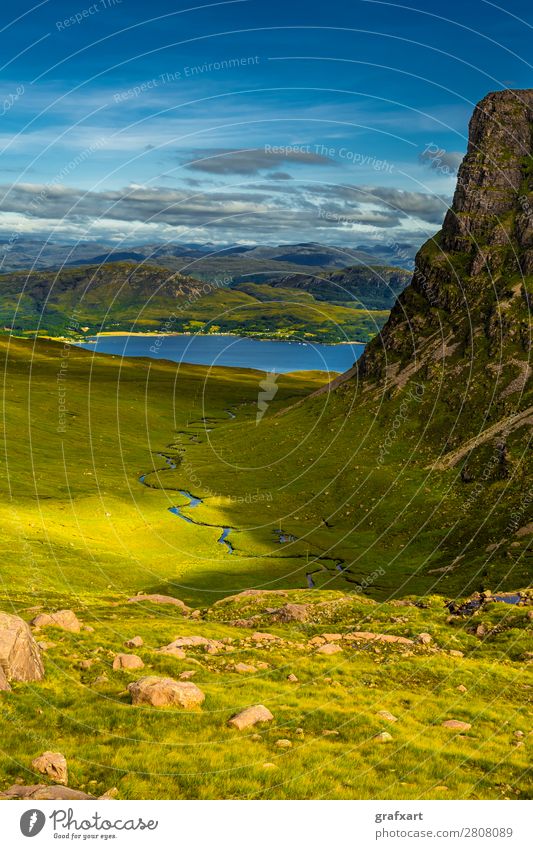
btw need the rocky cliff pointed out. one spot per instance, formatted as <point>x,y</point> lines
<point>462,329</point>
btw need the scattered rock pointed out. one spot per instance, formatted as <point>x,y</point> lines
<point>462,689</point>
<point>250,716</point>
<point>244,668</point>
<point>46,645</point>
<point>328,648</point>
<point>269,765</point>
<point>291,613</point>
<point>43,792</point>
<point>387,716</point>
<point>64,619</point>
<point>284,744</point>
<point>160,692</point>
<point>382,737</point>
<point>157,598</point>
<point>456,725</point>
<point>112,793</point>
<point>259,637</point>
<point>186,674</point>
<point>384,638</point>
<point>332,638</point>
<point>20,658</point>
<point>191,642</point>
<point>424,639</point>
<point>53,765</point>
<point>317,641</point>
<point>292,678</point>
<point>127,661</point>
<point>455,653</point>
<point>134,643</point>
<point>328,733</point>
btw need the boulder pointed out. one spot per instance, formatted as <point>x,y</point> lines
<point>250,716</point>
<point>260,637</point>
<point>244,668</point>
<point>20,658</point>
<point>328,648</point>
<point>424,639</point>
<point>284,744</point>
<point>456,725</point>
<point>53,765</point>
<point>292,678</point>
<point>387,716</point>
<point>292,613</point>
<point>157,598</point>
<point>160,692</point>
<point>382,737</point>
<point>44,791</point>
<point>127,661</point>
<point>134,643</point>
<point>64,619</point>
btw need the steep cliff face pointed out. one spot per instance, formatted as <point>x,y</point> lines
<point>462,329</point>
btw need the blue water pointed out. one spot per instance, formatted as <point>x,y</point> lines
<point>236,351</point>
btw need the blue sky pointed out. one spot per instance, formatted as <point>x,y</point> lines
<point>245,121</point>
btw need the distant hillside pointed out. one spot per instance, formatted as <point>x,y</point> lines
<point>130,297</point>
<point>375,288</point>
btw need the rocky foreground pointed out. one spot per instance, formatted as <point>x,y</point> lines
<point>278,672</point>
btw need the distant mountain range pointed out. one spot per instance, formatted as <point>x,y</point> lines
<point>205,262</point>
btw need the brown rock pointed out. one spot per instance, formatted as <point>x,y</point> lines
<point>332,638</point>
<point>44,791</point>
<point>250,716</point>
<point>328,648</point>
<point>292,678</point>
<point>134,643</point>
<point>424,639</point>
<point>20,659</point>
<point>284,744</point>
<point>157,598</point>
<point>127,661</point>
<point>387,716</point>
<point>186,674</point>
<point>64,619</point>
<point>53,765</point>
<point>462,689</point>
<point>456,725</point>
<point>382,737</point>
<point>292,613</point>
<point>455,653</point>
<point>160,692</point>
<point>260,637</point>
<point>244,668</point>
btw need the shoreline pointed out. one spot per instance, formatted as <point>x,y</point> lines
<point>156,335</point>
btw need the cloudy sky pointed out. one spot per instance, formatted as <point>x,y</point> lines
<point>244,121</point>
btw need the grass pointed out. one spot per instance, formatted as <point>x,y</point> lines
<point>78,530</point>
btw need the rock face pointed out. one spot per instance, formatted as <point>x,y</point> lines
<point>20,659</point>
<point>162,692</point>
<point>64,619</point>
<point>476,264</point>
<point>250,716</point>
<point>53,765</point>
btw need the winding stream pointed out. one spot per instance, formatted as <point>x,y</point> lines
<point>171,464</point>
